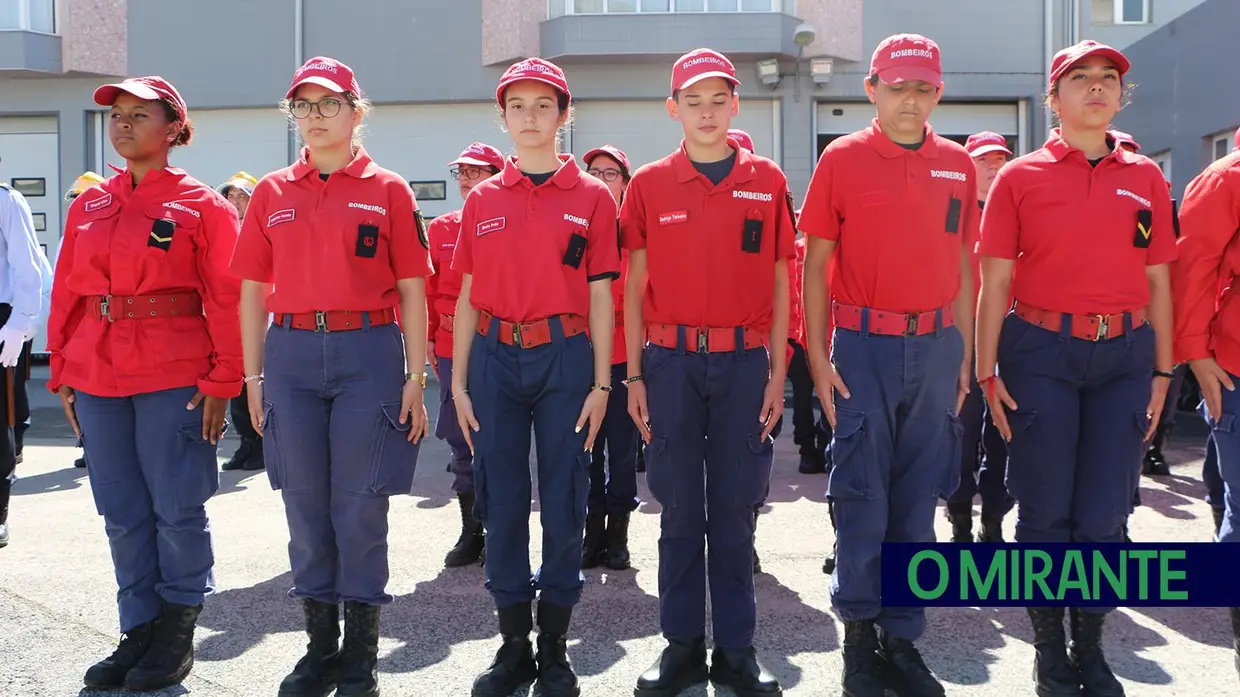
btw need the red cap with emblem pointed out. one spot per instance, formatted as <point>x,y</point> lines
<point>614,153</point>
<point>325,72</point>
<point>152,88</point>
<point>907,58</point>
<point>480,155</point>
<point>536,69</point>
<point>986,142</point>
<point>1066,59</point>
<point>700,64</point>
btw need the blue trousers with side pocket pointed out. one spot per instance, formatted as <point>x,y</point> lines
<point>151,474</point>
<point>336,451</point>
<point>1079,430</point>
<point>708,467</point>
<point>1225,437</point>
<point>514,389</point>
<point>895,452</point>
<point>448,429</point>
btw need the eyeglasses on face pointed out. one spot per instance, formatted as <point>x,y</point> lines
<point>469,173</point>
<point>607,175</point>
<point>327,108</point>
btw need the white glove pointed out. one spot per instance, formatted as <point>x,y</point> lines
<point>11,340</point>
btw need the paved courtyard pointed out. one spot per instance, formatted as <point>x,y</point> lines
<point>57,610</point>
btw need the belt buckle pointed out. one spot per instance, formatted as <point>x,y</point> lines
<point>516,335</point>
<point>912,319</point>
<point>703,342</point>
<point>320,321</point>
<point>1103,327</point>
<point>105,308</point>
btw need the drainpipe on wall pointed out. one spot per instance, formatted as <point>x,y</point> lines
<point>299,39</point>
<point>1048,38</point>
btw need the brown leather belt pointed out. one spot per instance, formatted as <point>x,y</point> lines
<point>1087,327</point>
<point>530,334</point>
<point>114,307</point>
<point>705,339</point>
<point>887,323</point>
<point>335,320</point>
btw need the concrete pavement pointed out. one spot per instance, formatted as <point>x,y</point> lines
<point>58,614</point>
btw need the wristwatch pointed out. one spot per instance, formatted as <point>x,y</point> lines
<point>421,379</point>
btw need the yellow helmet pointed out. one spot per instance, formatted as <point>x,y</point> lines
<point>83,183</point>
<point>241,180</point>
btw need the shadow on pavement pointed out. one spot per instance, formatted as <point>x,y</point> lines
<point>965,660</point>
<point>788,627</point>
<point>243,616</point>
<point>49,482</point>
<point>1168,503</point>
<point>1209,626</point>
<point>447,610</point>
<point>613,608</point>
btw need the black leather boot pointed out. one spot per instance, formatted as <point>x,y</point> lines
<point>863,669</point>
<point>555,674</point>
<point>740,670</point>
<point>812,462</point>
<point>961,517</point>
<point>171,655</point>
<point>1085,653</point>
<point>359,654</point>
<point>244,452</point>
<point>514,664</point>
<point>618,541</point>
<point>1053,675</point>
<point>468,547</point>
<point>681,666</point>
<point>906,671</point>
<point>1219,514</point>
<point>594,548</point>
<point>110,672</point>
<point>992,529</point>
<point>1235,631</point>
<point>316,673</point>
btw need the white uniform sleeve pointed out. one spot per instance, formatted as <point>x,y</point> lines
<point>24,271</point>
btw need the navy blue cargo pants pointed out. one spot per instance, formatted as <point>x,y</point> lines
<point>708,467</point>
<point>983,459</point>
<point>336,450</point>
<point>151,474</point>
<point>896,451</point>
<point>512,389</point>
<point>613,466</point>
<point>1078,434</point>
<point>1211,476</point>
<point>1225,432</point>
<point>448,429</point>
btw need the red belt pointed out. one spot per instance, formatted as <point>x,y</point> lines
<point>114,307</point>
<point>530,334</point>
<point>1087,327</point>
<point>335,320</point>
<point>706,340</point>
<point>886,323</point>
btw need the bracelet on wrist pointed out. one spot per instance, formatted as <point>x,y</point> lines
<point>600,387</point>
<point>635,378</point>
<point>1164,374</point>
<point>253,378</point>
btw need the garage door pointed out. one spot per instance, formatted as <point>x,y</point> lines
<point>228,140</point>
<point>418,142</point>
<point>645,133</point>
<point>30,160</point>
<point>956,121</point>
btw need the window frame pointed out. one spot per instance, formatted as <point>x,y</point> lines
<point>777,6</point>
<point>1227,138</point>
<point>1163,160</point>
<point>1118,7</point>
<point>25,18</point>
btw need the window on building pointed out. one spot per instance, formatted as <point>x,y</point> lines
<point>558,8</point>
<point>1132,11</point>
<point>28,15</point>
<point>1163,159</point>
<point>1222,143</point>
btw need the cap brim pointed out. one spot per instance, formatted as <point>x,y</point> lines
<point>316,80</point>
<point>906,73</point>
<point>499,91</point>
<point>106,95</point>
<point>1121,61</point>
<point>70,195</point>
<point>987,149</point>
<point>246,187</point>
<point>704,76</point>
<point>471,161</point>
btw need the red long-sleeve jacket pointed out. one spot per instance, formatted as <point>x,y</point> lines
<point>107,251</point>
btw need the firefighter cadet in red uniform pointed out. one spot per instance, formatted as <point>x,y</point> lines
<point>1207,323</point>
<point>901,300</point>
<point>539,240</point>
<point>476,163</point>
<point>340,425</point>
<point>145,355</point>
<point>613,469</point>
<point>709,232</point>
<point>1076,372</point>
<point>983,452</point>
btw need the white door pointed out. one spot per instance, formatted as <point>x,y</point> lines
<point>645,132</point>
<point>225,142</point>
<point>950,120</point>
<point>418,142</point>
<point>30,160</point>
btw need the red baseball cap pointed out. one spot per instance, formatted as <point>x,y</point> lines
<point>536,69</point>
<point>614,153</point>
<point>907,57</point>
<point>1122,138</point>
<point>480,155</point>
<point>700,64</point>
<point>151,88</point>
<point>742,139</point>
<point>1070,56</point>
<point>325,72</point>
<point>986,142</point>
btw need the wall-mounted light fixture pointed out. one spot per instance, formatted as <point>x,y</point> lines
<point>820,70</point>
<point>768,72</point>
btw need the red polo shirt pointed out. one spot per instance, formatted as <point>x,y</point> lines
<point>695,233</point>
<point>618,344</point>
<point>518,241</point>
<point>1076,231</point>
<point>1207,323</point>
<point>106,251</point>
<point>339,244</point>
<point>444,287</point>
<point>899,216</point>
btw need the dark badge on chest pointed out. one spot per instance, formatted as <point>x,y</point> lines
<point>420,223</point>
<point>367,240</point>
<point>1145,226</point>
<point>751,237</point>
<point>576,250</point>
<point>953,216</point>
<point>161,234</point>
